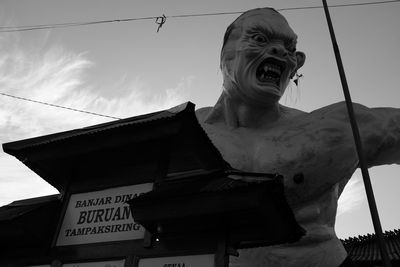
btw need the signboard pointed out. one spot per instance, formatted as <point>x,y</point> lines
<point>97,264</point>
<point>101,216</point>
<point>180,261</point>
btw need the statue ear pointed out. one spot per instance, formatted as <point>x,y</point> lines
<point>301,58</point>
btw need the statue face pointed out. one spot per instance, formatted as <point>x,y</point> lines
<point>260,57</point>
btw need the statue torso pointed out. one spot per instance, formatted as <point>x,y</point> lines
<point>314,144</point>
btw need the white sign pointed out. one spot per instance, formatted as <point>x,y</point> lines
<point>97,264</point>
<point>180,261</point>
<point>101,216</point>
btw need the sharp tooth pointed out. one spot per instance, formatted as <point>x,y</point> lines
<point>271,67</point>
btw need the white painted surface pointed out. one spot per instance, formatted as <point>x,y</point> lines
<point>101,216</point>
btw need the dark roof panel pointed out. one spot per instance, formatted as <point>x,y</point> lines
<point>254,213</point>
<point>29,223</point>
<point>21,207</point>
<point>45,139</point>
<point>129,149</point>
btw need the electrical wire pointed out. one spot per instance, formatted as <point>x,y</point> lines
<point>58,106</point>
<point>67,24</point>
<point>76,24</point>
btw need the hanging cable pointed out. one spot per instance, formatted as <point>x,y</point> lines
<point>58,106</point>
<point>157,18</point>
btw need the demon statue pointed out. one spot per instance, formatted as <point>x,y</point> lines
<point>255,133</point>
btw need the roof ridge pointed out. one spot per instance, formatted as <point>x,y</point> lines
<point>370,237</point>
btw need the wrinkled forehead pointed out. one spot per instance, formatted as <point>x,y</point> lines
<point>267,20</point>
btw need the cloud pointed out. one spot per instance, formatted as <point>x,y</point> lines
<point>18,182</point>
<point>51,73</point>
<point>352,196</point>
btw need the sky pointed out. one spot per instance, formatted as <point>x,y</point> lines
<point>125,69</point>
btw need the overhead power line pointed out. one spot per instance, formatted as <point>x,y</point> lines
<point>157,18</point>
<point>66,25</point>
<point>58,106</point>
<point>160,20</point>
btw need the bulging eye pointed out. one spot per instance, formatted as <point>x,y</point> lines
<point>259,38</point>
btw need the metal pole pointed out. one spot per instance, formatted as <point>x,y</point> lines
<point>356,134</point>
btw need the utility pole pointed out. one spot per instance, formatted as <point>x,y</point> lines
<point>356,134</point>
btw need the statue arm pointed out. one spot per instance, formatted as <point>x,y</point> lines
<point>380,133</point>
<point>386,149</point>
<point>328,150</point>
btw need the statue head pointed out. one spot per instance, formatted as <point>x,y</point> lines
<point>259,56</point>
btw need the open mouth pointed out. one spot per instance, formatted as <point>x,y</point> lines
<point>270,71</point>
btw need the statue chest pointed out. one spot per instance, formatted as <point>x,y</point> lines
<point>269,151</point>
<point>323,155</point>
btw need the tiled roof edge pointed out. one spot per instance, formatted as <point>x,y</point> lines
<point>369,237</point>
<point>155,116</point>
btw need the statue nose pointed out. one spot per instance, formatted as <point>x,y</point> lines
<point>278,50</point>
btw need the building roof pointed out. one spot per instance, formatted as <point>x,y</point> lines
<point>365,248</point>
<point>21,207</point>
<point>255,213</point>
<point>22,222</point>
<point>135,148</point>
<point>208,182</point>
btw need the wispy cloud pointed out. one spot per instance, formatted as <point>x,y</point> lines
<point>51,73</point>
<point>352,196</point>
<point>18,182</point>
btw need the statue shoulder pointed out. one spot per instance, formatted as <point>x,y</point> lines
<point>338,111</point>
<point>291,112</point>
